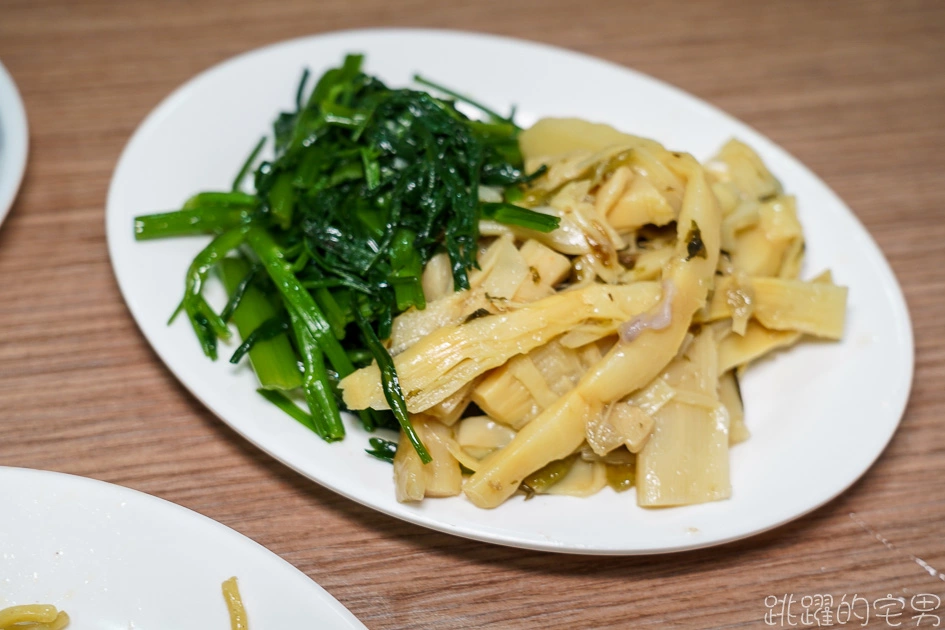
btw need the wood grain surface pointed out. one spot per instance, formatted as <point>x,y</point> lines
<point>854,89</point>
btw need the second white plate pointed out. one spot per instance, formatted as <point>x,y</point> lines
<point>833,407</point>
<point>114,558</point>
<point>14,141</point>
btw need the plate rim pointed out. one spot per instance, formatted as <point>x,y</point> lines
<point>892,288</point>
<point>14,127</point>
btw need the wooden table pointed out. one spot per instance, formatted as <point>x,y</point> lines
<point>855,89</point>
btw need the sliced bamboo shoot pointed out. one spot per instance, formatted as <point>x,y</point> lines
<point>445,360</point>
<point>483,432</point>
<point>738,163</point>
<point>730,395</point>
<point>632,424</point>
<point>640,204</point>
<point>440,478</point>
<point>686,458</point>
<point>504,398</point>
<point>735,350</point>
<point>547,268</point>
<point>583,480</point>
<point>814,308</point>
<point>451,408</point>
<point>559,430</point>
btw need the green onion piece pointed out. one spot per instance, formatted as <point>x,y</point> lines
<point>317,386</point>
<point>301,89</point>
<point>205,334</point>
<point>391,385</point>
<point>372,169</point>
<point>406,271</point>
<point>621,477</point>
<point>267,330</point>
<point>233,199</point>
<point>189,222</point>
<point>335,77</point>
<point>207,324</point>
<point>248,164</point>
<point>300,262</point>
<point>374,418</point>
<point>282,199</point>
<point>216,323</point>
<point>237,290</point>
<point>282,402</point>
<point>333,313</point>
<point>463,99</point>
<point>513,193</point>
<point>360,356</point>
<point>540,481</point>
<point>382,449</point>
<point>510,214</point>
<point>298,300</point>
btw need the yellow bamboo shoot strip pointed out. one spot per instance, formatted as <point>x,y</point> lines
<point>234,604</point>
<point>501,270</point>
<point>61,621</point>
<point>611,190</point>
<point>733,296</point>
<point>504,398</point>
<point>483,432</point>
<point>557,136</point>
<point>38,616</point>
<point>437,278</point>
<point>743,217</point>
<point>764,248</point>
<point>652,397</point>
<point>757,255</point>
<point>778,218</point>
<point>582,480</point>
<point>451,408</point>
<point>648,265</point>
<point>440,478</point>
<point>560,429</point>
<point>793,260</point>
<point>444,361</point>
<point>738,350</point>
<point>413,325</point>
<point>814,308</point>
<point>560,367</point>
<point>516,392</point>
<point>641,204</point>
<point>728,196</point>
<point>523,368</point>
<point>738,163</point>
<point>685,460</point>
<point>731,397</point>
<point>632,424</point>
<point>508,269</point>
<point>546,269</point>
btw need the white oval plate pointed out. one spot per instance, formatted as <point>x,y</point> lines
<point>115,558</point>
<point>819,414</point>
<point>14,141</point>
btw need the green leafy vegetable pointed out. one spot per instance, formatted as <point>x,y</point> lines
<point>366,184</point>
